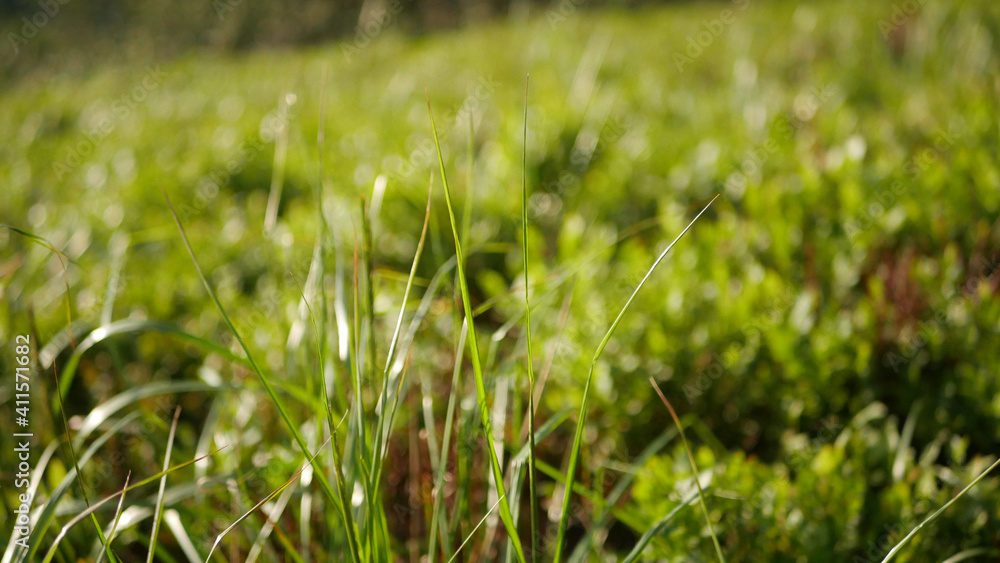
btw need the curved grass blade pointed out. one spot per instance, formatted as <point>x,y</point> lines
<point>36,479</point>
<point>499,502</point>
<point>344,505</point>
<point>892,553</point>
<point>445,447</point>
<point>270,525</point>
<point>623,515</point>
<point>47,513</point>
<point>62,261</point>
<point>658,528</point>
<point>93,508</point>
<point>126,326</point>
<point>158,514</point>
<point>114,527</point>
<point>327,488</point>
<point>394,341</point>
<point>970,553</point>
<point>223,533</point>
<point>173,520</point>
<point>694,467</point>
<point>477,367</point>
<point>578,438</point>
<point>69,441</point>
<point>532,491</point>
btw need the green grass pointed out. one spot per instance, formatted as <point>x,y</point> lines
<point>825,333</point>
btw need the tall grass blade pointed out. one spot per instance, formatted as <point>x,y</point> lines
<point>93,508</point>
<point>445,447</point>
<point>158,514</point>
<point>278,170</point>
<point>274,493</point>
<point>477,367</point>
<point>532,491</point>
<point>581,418</point>
<point>114,527</point>
<point>344,505</point>
<point>658,528</point>
<point>62,262</point>
<point>69,439</point>
<point>694,467</point>
<point>173,520</point>
<point>930,519</point>
<point>970,553</point>
<point>379,454</point>
<point>327,488</point>
<point>499,502</point>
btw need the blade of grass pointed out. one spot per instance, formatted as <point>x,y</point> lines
<point>93,508</point>
<point>624,515</point>
<point>69,439</point>
<point>357,441</point>
<point>173,520</point>
<point>47,514</point>
<point>930,519</point>
<point>474,352</point>
<point>532,491</point>
<point>327,488</point>
<point>694,468</point>
<point>158,514</point>
<point>62,261</point>
<point>499,502</point>
<point>344,505</point>
<point>658,528</point>
<point>223,533</point>
<point>278,170</point>
<point>445,447</point>
<point>581,418</point>
<point>970,553</point>
<point>270,523</point>
<point>378,454</point>
<point>114,527</point>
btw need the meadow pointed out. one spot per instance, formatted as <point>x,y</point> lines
<point>247,281</point>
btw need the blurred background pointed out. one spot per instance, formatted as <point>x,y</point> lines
<point>828,331</point>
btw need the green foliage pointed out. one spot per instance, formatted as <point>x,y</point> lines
<point>827,333</point>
